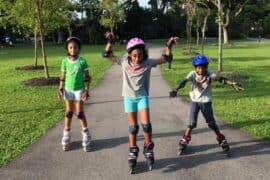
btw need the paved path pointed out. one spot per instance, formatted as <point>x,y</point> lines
<point>45,159</point>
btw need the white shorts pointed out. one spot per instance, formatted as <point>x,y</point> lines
<point>73,95</point>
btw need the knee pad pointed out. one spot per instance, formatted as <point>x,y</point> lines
<point>213,126</point>
<point>81,115</point>
<point>147,128</point>
<point>192,125</point>
<point>69,114</point>
<point>134,129</point>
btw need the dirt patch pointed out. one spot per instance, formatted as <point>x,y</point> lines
<point>233,75</point>
<point>42,81</point>
<point>30,67</point>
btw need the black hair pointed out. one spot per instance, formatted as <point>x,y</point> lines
<point>142,47</point>
<point>74,40</point>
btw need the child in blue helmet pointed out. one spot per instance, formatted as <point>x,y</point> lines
<point>200,95</point>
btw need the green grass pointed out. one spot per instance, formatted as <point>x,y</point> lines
<point>247,110</point>
<point>26,112</point>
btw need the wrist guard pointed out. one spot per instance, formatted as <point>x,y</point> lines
<point>107,53</point>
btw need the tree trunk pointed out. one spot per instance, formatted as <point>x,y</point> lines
<point>225,35</point>
<point>35,44</point>
<point>198,36</point>
<point>41,28</point>
<point>60,36</point>
<point>69,31</point>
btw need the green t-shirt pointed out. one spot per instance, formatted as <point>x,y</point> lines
<point>74,73</point>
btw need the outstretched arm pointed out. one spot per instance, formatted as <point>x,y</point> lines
<point>167,57</point>
<point>181,85</point>
<point>107,52</point>
<point>235,85</point>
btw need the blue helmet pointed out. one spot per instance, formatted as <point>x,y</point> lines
<point>200,60</point>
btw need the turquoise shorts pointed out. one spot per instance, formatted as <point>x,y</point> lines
<point>133,104</point>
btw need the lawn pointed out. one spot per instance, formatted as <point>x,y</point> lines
<point>26,112</point>
<point>247,110</point>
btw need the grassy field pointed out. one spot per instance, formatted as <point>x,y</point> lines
<point>247,110</point>
<point>28,112</point>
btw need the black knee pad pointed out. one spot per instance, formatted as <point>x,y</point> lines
<point>192,125</point>
<point>147,128</point>
<point>213,126</point>
<point>133,129</point>
<point>69,114</point>
<point>81,115</point>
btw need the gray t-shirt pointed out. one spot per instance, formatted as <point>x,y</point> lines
<point>201,90</point>
<point>136,77</point>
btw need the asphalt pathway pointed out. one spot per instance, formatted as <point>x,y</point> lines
<point>44,159</point>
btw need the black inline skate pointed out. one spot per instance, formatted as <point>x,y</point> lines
<point>149,154</point>
<point>132,158</point>
<point>183,144</point>
<point>223,143</point>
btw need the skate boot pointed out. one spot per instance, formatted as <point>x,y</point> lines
<point>223,143</point>
<point>66,140</point>
<point>183,144</point>
<point>132,158</point>
<point>86,140</point>
<point>149,154</point>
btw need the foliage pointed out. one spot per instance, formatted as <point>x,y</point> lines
<point>112,14</point>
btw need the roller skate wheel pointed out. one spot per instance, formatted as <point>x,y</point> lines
<point>131,170</point>
<point>87,148</point>
<point>150,167</point>
<point>65,147</point>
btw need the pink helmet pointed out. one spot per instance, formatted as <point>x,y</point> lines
<point>134,42</point>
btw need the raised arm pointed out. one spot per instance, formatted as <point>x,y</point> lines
<point>107,52</point>
<point>167,57</point>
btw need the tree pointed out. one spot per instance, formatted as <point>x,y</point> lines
<point>112,14</point>
<point>38,17</point>
<point>229,9</point>
<point>201,17</point>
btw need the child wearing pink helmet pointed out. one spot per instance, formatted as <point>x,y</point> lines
<point>136,67</point>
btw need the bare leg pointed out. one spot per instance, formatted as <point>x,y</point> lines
<point>132,120</point>
<point>69,108</point>
<point>145,119</point>
<point>79,109</point>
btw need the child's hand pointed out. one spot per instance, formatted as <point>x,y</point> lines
<point>173,93</point>
<point>237,86</point>
<point>85,95</point>
<point>60,93</point>
<point>172,41</point>
<point>110,37</point>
